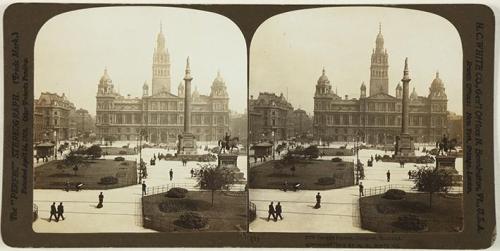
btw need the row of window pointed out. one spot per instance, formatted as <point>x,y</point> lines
<point>196,119</point>
<point>377,120</point>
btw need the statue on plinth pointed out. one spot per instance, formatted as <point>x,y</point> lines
<point>228,143</point>
<point>445,146</point>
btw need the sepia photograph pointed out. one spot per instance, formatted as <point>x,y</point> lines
<point>138,122</point>
<point>356,122</point>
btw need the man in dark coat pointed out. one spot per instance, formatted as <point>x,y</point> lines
<point>101,199</point>
<point>278,212</point>
<point>192,173</point>
<point>361,189</point>
<point>271,211</point>
<point>388,174</point>
<point>53,212</point>
<point>60,211</point>
<point>171,173</point>
<point>318,201</point>
<point>143,188</point>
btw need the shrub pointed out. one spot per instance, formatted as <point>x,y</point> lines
<point>169,155</point>
<point>410,222</point>
<point>340,153</point>
<point>119,159</point>
<point>326,181</point>
<point>336,159</point>
<point>394,194</point>
<point>191,220</point>
<point>125,146</point>
<point>183,205</point>
<point>108,180</point>
<point>177,192</point>
<point>122,152</point>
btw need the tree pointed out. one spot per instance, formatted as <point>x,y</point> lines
<point>94,151</point>
<point>432,180</point>
<point>311,152</point>
<point>213,178</point>
<point>75,161</point>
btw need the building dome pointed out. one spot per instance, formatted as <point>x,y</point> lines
<point>105,79</point>
<point>323,79</point>
<point>437,83</point>
<point>219,80</point>
<point>145,86</point>
<point>363,86</point>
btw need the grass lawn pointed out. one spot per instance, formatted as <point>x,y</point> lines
<point>307,173</point>
<point>379,214</point>
<point>54,174</point>
<point>229,213</point>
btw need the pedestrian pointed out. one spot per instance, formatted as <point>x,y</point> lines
<point>144,188</point>
<point>60,211</point>
<point>318,201</point>
<point>53,212</point>
<point>192,173</point>
<point>171,173</point>
<point>101,199</point>
<point>285,186</point>
<point>37,159</point>
<point>409,175</point>
<point>388,176</point>
<point>361,189</point>
<point>278,211</point>
<point>271,211</point>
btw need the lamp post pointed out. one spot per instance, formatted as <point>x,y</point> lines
<point>358,164</point>
<point>274,142</point>
<point>141,163</point>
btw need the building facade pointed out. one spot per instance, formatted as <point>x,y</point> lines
<point>160,113</point>
<point>52,118</point>
<point>270,117</point>
<point>84,122</point>
<point>376,119</point>
<point>455,127</point>
<point>301,124</point>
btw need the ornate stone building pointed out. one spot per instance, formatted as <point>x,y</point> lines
<point>52,118</point>
<point>270,113</point>
<point>377,117</point>
<point>161,113</point>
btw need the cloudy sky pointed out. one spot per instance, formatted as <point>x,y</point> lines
<point>289,51</point>
<point>73,49</point>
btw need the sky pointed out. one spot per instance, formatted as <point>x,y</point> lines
<point>289,51</point>
<point>73,49</point>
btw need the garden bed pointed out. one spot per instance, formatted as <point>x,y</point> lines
<point>384,215</point>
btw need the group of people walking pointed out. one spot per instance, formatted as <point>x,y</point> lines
<point>57,212</point>
<point>275,212</point>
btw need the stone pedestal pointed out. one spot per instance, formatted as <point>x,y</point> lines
<point>406,148</point>
<point>230,161</point>
<point>187,144</point>
<point>447,164</point>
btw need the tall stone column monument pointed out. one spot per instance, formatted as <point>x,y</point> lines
<point>405,146</point>
<point>187,141</point>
